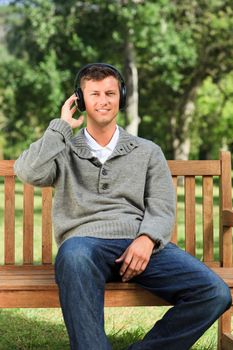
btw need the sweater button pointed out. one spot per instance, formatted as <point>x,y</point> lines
<point>105,186</point>
<point>104,172</point>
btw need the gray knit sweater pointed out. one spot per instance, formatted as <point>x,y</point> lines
<point>130,194</point>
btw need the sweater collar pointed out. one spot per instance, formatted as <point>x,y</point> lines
<point>96,147</point>
<point>126,143</point>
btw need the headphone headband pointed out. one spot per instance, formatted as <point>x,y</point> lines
<point>81,73</point>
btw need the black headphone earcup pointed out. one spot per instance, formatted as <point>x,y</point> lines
<point>80,101</point>
<point>122,96</point>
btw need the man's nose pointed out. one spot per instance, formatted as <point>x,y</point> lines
<point>103,99</point>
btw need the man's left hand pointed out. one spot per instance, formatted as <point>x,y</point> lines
<point>136,257</point>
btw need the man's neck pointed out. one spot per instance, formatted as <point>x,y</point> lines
<point>102,135</point>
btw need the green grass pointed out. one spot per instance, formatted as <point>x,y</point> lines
<point>43,329</point>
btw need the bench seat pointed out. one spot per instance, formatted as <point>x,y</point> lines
<point>35,281</point>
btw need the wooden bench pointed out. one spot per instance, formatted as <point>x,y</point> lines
<point>31,284</point>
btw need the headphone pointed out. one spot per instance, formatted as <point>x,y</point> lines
<point>78,91</point>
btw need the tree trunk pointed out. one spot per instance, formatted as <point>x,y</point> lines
<point>1,147</point>
<point>131,74</point>
<point>181,140</point>
<point>183,114</point>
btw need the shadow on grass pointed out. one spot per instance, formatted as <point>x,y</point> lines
<point>25,332</point>
<point>20,332</point>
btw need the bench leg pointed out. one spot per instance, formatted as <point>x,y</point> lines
<point>225,338</point>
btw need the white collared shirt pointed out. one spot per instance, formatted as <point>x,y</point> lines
<point>102,153</point>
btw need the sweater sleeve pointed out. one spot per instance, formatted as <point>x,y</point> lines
<point>159,201</point>
<point>37,164</point>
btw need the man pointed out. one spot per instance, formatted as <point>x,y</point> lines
<point>113,215</point>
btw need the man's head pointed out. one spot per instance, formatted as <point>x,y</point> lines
<point>98,72</point>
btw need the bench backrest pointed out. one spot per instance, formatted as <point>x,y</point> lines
<point>194,209</point>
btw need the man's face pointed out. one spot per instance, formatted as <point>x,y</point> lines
<point>101,101</point>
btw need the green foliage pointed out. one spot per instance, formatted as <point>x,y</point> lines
<point>30,96</point>
<point>196,43</point>
<point>213,123</point>
<point>178,45</point>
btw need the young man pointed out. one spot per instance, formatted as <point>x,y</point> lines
<point>113,215</point>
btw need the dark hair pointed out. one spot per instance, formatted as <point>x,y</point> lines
<point>97,73</point>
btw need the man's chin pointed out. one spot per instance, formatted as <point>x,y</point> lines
<point>102,119</point>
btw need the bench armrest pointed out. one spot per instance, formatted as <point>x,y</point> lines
<point>227,218</point>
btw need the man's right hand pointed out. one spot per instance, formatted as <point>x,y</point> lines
<point>68,110</point>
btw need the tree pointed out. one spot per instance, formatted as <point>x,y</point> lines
<point>196,43</point>
<point>167,49</point>
<point>214,118</point>
<point>29,97</point>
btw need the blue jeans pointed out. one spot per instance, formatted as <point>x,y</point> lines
<point>83,266</point>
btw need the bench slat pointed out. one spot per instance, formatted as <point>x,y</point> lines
<point>41,278</point>
<point>227,216</point>
<point>9,220</point>
<point>227,341</point>
<point>225,203</point>
<point>6,168</point>
<point>177,167</point>
<point>174,232</point>
<point>208,224</point>
<point>195,167</point>
<point>28,221</point>
<point>190,229</point>
<point>46,225</point>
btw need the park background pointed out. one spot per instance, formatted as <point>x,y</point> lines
<point>176,57</point>
<point>177,60</point>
